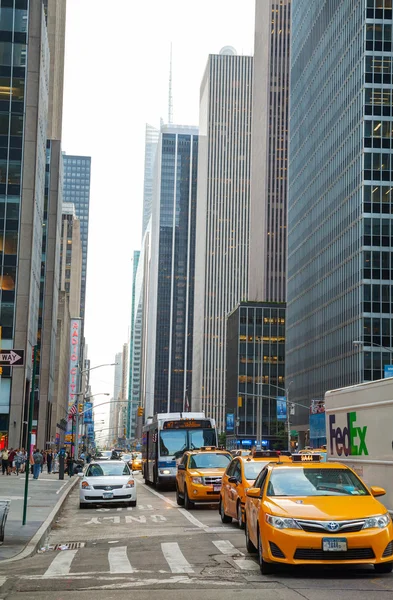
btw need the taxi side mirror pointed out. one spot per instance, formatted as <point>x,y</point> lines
<point>377,491</point>
<point>181,467</point>
<point>232,480</point>
<point>253,492</point>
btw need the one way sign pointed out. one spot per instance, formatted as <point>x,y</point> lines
<point>12,358</point>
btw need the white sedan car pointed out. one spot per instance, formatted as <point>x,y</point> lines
<point>107,482</point>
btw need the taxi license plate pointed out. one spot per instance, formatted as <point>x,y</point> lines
<point>216,488</point>
<point>107,495</point>
<point>334,545</point>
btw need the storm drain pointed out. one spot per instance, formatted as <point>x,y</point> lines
<point>69,546</point>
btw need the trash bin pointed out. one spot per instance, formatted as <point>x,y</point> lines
<point>4,508</point>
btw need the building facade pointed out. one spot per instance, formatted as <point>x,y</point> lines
<point>71,258</point>
<point>256,376</point>
<point>77,171</point>
<point>171,276</point>
<point>340,190</point>
<point>134,333</point>
<point>151,144</point>
<point>224,171</point>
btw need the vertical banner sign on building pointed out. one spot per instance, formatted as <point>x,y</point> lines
<point>230,422</point>
<point>88,416</point>
<point>75,334</point>
<point>281,403</point>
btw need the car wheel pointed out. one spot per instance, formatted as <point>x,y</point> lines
<point>384,567</point>
<point>240,516</point>
<point>266,567</point>
<point>188,505</point>
<point>83,505</point>
<point>224,517</point>
<point>179,500</point>
<point>249,545</point>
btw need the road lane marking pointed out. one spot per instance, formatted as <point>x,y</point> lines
<point>61,564</point>
<point>2,580</point>
<point>175,558</point>
<point>227,548</point>
<point>246,564</point>
<point>191,518</point>
<point>167,500</point>
<point>118,560</point>
<point>59,490</point>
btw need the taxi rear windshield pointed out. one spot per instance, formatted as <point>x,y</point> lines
<point>209,461</point>
<point>252,469</point>
<point>315,482</point>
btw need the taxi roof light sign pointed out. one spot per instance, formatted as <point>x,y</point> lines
<point>306,457</point>
<point>208,448</point>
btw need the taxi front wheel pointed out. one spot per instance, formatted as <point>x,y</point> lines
<point>384,567</point>
<point>188,505</point>
<point>266,567</point>
<point>179,499</point>
<point>249,545</point>
<point>224,517</point>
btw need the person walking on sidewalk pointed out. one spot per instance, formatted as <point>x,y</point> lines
<point>70,465</point>
<point>37,462</point>
<point>11,459</point>
<point>19,460</point>
<point>4,461</point>
<point>49,460</point>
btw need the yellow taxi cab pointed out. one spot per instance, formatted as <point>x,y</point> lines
<point>136,464</point>
<point>321,451</point>
<point>312,512</point>
<point>199,475</point>
<point>239,476</point>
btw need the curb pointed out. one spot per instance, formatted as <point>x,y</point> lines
<point>39,537</point>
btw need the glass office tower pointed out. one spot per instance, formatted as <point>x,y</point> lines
<point>171,285</point>
<point>340,196</point>
<point>77,191</point>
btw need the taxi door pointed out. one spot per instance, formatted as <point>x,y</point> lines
<point>232,490</point>
<point>254,507</point>
<point>181,473</point>
<point>226,486</point>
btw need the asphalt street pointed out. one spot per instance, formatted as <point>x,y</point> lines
<point>114,552</point>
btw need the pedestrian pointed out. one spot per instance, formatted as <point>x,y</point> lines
<point>37,462</point>
<point>19,459</point>
<point>70,465</point>
<point>88,458</point>
<point>43,452</point>
<point>4,461</point>
<point>49,460</point>
<point>24,460</point>
<point>11,461</point>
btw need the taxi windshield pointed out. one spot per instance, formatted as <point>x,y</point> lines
<point>252,469</point>
<point>107,469</point>
<point>315,482</point>
<point>209,461</point>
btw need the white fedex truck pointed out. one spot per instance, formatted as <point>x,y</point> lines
<point>359,432</point>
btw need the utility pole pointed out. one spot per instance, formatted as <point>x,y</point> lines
<point>29,428</point>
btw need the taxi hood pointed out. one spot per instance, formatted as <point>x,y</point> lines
<point>217,472</point>
<point>339,508</point>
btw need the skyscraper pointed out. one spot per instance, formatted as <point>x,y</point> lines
<point>171,277</point>
<point>133,347</point>
<point>221,270</point>
<point>151,144</point>
<point>340,196</point>
<point>76,189</point>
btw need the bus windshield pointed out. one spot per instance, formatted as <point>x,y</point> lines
<point>175,442</point>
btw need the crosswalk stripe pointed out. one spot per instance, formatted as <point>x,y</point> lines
<point>246,564</point>
<point>227,548</point>
<point>118,560</point>
<point>61,564</point>
<point>2,580</point>
<point>175,558</point>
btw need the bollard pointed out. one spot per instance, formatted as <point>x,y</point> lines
<point>61,465</point>
<point>4,508</point>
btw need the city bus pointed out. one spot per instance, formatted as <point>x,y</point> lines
<point>167,436</point>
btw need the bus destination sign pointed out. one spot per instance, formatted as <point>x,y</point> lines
<point>188,424</point>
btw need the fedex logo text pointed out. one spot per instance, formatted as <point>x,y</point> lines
<point>350,440</point>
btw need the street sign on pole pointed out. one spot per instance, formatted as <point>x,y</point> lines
<point>12,358</point>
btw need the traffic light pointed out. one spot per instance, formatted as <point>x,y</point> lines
<point>140,411</point>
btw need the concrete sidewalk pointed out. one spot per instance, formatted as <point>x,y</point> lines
<point>45,498</point>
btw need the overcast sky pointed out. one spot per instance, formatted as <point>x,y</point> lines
<point>116,81</point>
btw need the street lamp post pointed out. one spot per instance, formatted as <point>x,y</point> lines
<point>361,344</point>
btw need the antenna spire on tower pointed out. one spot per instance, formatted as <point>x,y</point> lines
<point>170,98</point>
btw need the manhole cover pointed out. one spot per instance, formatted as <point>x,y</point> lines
<point>69,546</point>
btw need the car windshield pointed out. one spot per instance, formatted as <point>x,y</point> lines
<point>107,469</point>
<point>126,456</point>
<point>106,453</point>
<point>176,442</point>
<point>209,461</point>
<point>315,482</point>
<point>252,469</point>
<point>138,456</point>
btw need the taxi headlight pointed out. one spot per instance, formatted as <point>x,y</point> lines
<point>130,483</point>
<point>197,480</point>
<point>282,522</point>
<point>85,485</point>
<point>379,521</point>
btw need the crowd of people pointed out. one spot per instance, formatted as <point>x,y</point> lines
<point>14,460</point>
